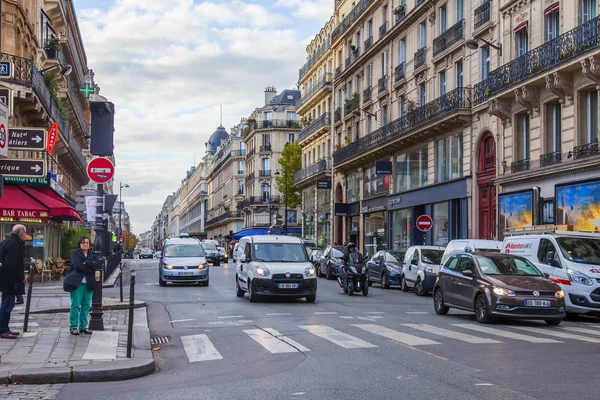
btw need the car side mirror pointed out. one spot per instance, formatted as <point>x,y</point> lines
<point>552,261</point>
<point>546,275</point>
<point>243,258</point>
<point>468,273</point>
<point>415,262</point>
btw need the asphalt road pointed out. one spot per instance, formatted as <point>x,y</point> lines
<point>387,345</point>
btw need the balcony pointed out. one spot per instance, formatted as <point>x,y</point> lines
<point>482,15</point>
<point>238,153</point>
<point>420,57</point>
<point>550,159</point>
<point>352,17</point>
<point>352,58</point>
<point>223,217</point>
<point>77,106</point>
<point>75,55</point>
<point>444,106</point>
<point>274,123</point>
<point>446,40</point>
<point>264,172</point>
<point>320,166</point>
<point>351,104</point>
<point>368,43</point>
<point>324,121</point>
<point>337,115</point>
<point>383,29</point>
<point>348,62</point>
<point>22,69</point>
<point>250,153</point>
<point>250,176</point>
<point>400,72</point>
<point>314,58</point>
<point>322,82</point>
<point>553,53</point>
<point>367,94</point>
<point>265,148</point>
<point>400,13</point>
<point>338,71</point>
<point>260,201</point>
<point>519,166</point>
<point>585,150</point>
<point>382,84</point>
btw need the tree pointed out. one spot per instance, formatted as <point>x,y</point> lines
<point>290,163</point>
<point>130,240</point>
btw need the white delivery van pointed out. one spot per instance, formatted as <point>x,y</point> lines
<point>421,265</point>
<point>571,259</point>
<point>470,246</point>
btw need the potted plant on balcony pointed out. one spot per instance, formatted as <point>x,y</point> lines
<point>347,140</point>
<point>398,10</point>
<point>51,48</point>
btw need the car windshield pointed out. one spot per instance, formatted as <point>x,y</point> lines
<point>506,266</point>
<point>146,252</point>
<point>432,256</point>
<point>580,250</point>
<point>280,252</point>
<point>184,250</point>
<point>209,246</point>
<point>394,256</point>
<point>335,253</point>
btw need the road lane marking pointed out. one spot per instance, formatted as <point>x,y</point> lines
<point>346,317</point>
<point>401,337</point>
<point>558,334</point>
<point>182,320</point>
<point>278,314</point>
<point>374,312</point>
<point>450,334</point>
<point>274,342</point>
<point>102,346</point>
<point>507,334</point>
<point>484,384</point>
<point>581,330</point>
<point>200,348</point>
<point>231,316</point>
<point>336,337</point>
<point>417,312</point>
<point>325,313</point>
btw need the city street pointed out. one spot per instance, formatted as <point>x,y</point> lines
<point>345,347</point>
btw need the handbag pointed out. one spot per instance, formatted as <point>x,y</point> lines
<point>71,281</point>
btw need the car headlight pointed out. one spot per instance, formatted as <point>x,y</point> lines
<point>393,271</point>
<point>310,271</point>
<point>430,270</point>
<point>578,277</point>
<point>202,266</point>
<point>263,271</point>
<point>169,266</point>
<point>559,294</point>
<point>504,292</point>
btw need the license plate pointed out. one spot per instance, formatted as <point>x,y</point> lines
<point>537,303</point>
<point>287,285</point>
<point>186,273</point>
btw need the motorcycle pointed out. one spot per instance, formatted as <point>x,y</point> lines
<point>354,279</point>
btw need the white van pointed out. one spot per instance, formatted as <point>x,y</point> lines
<point>421,264</point>
<point>470,245</point>
<point>571,259</point>
<point>275,266</point>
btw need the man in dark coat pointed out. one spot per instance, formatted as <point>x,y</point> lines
<point>12,277</point>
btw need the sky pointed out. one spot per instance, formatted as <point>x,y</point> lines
<point>168,65</point>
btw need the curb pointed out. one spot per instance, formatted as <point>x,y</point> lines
<point>105,307</point>
<point>112,279</point>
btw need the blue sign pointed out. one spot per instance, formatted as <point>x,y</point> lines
<point>38,243</point>
<point>5,69</point>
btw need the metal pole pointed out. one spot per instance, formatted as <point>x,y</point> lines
<point>120,210</point>
<point>285,223</point>
<point>121,282</point>
<point>28,303</point>
<point>96,322</point>
<point>131,303</point>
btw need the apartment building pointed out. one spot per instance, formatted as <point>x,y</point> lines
<point>269,128</point>
<point>314,111</point>
<point>193,201</point>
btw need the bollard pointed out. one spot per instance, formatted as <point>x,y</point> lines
<point>131,300</point>
<point>28,303</point>
<point>121,283</point>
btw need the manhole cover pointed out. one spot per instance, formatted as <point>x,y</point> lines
<point>160,339</point>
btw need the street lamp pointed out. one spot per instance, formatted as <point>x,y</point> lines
<point>473,44</point>
<point>121,186</point>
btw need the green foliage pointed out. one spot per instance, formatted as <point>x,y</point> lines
<point>53,88</point>
<point>290,163</point>
<point>70,237</point>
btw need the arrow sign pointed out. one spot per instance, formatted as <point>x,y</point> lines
<point>23,167</point>
<point>27,139</point>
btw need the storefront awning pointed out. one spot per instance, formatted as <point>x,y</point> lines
<point>60,210</point>
<point>250,232</point>
<point>16,203</point>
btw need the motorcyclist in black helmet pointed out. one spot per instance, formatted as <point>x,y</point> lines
<point>352,257</point>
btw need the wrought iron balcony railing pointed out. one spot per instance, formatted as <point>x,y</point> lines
<point>586,150</point>
<point>400,13</point>
<point>420,57</point>
<point>322,82</point>
<point>250,153</point>
<point>400,72</point>
<point>347,62</point>
<point>521,165</point>
<point>367,94</point>
<point>260,200</point>
<point>223,217</point>
<point>337,115</point>
<point>352,16</point>
<point>368,42</point>
<point>453,35</point>
<point>22,68</point>
<point>571,44</point>
<point>250,176</point>
<point>456,100</point>
<point>352,104</point>
<point>264,172</point>
<point>312,170</point>
<point>324,121</point>
<point>551,158</point>
<point>314,58</point>
<point>75,100</point>
<point>75,54</point>
<point>382,84</point>
<point>338,71</point>
<point>383,29</point>
<point>265,148</point>
<point>482,14</point>
<point>274,123</point>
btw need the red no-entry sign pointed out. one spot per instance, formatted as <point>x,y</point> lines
<point>424,223</point>
<point>101,170</point>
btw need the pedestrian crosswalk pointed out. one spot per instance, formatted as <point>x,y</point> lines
<point>200,347</point>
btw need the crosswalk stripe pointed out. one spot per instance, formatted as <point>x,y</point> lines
<point>274,341</point>
<point>559,334</point>
<point>581,330</point>
<point>395,335</point>
<point>450,334</point>
<point>200,348</point>
<point>506,334</point>
<point>336,337</point>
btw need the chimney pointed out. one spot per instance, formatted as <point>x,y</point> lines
<point>270,93</point>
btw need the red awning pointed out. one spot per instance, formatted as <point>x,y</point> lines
<point>15,203</point>
<point>552,8</point>
<point>59,208</point>
<point>522,26</point>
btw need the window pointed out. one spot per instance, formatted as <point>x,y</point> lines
<point>292,217</point>
<point>266,139</point>
<point>374,184</point>
<point>265,192</point>
<point>369,28</point>
<point>384,112</point>
<point>384,13</point>
<point>291,138</point>
<point>460,10</point>
<point>339,99</point>
<point>466,264</point>
<point>449,158</point>
<point>441,224</point>
<point>411,169</point>
<point>443,25</point>
<point>370,75</point>
<point>240,185</point>
<point>442,82</point>
<point>357,39</point>
<point>452,263</point>
<point>349,90</point>
<point>422,35</point>
<point>384,63</point>
<point>369,124</point>
<point>422,98</point>
<point>402,51</point>
<point>358,83</point>
<point>290,116</point>
<point>552,22</point>
<point>352,187</point>
<point>459,74</point>
<point>241,166</point>
<point>485,62</point>
<point>268,116</point>
<point>546,246</point>
<point>522,139</point>
<point>522,41</point>
<point>587,10</point>
<point>401,106</point>
<point>553,132</point>
<point>590,116</point>
<point>266,164</point>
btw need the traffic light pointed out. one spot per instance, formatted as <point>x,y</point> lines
<point>278,219</point>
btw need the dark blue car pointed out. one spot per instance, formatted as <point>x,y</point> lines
<point>385,267</point>
<point>331,262</point>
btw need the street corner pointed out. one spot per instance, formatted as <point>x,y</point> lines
<point>114,371</point>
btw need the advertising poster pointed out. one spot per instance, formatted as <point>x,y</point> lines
<point>579,205</point>
<point>516,210</point>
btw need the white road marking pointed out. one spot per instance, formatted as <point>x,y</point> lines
<point>200,348</point>
<point>506,334</point>
<point>372,318</point>
<point>581,330</point>
<point>417,312</point>
<point>558,334</point>
<point>182,320</point>
<point>450,334</point>
<point>232,323</point>
<point>278,314</point>
<point>373,312</point>
<point>298,394</point>
<point>274,342</point>
<point>484,384</point>
<point>102,346</point>
<point>395,335</point>
<point>325,313</point>
<point>231,316</point>
<point>336,337</point>
<point>346,317</point>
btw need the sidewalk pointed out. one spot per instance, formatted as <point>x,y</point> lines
<point>48,353</point>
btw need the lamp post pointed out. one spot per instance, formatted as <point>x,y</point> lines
<point>285,194</point>
<point>121,186</point>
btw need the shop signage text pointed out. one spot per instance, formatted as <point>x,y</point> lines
<point>324,184</point>
<point>23,167</point>
<point>11,213</point>
<point>383,168</point>
<point>372,209</point>
<point>52,137</point>
<point>341,209</point>
<point>395,201</point>
<point>27,139</point>
<point>28,181</point>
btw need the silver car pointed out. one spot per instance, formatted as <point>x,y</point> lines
<point>183,261</point>
<point>212,253</point>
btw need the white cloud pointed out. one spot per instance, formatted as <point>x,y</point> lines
<point>319,10</point>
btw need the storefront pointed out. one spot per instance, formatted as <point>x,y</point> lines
<point>375,226</point>
<point>323,213</point>
<point>353,223</point>
<point>446,204</point>
<point>308,207</point>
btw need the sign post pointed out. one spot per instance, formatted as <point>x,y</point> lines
<point>3,130</point>
<point>424,224</point>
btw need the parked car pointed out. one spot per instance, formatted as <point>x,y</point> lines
<point>331,261</point>
<point>421,264</point>
<point>212,253</point>
<point>315,257</point>
<point>222,254</point>
<point>183,261</point>
<point>385,267</point>
<point>310,245</point>
<point>471,245</point>
<point>275,266</point>
<point>234,252</point>
<point>493,284</point>
<point>146,253</point>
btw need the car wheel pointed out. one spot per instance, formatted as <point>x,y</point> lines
<point>251,295</point>
<point>328,274</point>
<point>369,282</point>
<point>385,282</point>
<point>553,322</point>
<point>403,285</point>
<point>238,290</point>
<point>438,303</point>
<point>161,282</point>
<point>311,298</point>
<point>365,290</point>
<point>481,310</point>
<point>350,287</point>
<point>419,290</point>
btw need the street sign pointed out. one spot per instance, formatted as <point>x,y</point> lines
<point>3,130</point>
<point>27,139</point>
<point>6,97</point>
<point>6,70</point>
<point>424,223</point>
<point>52,137</point>
<point>101,170</point>
<point>23,167</point>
